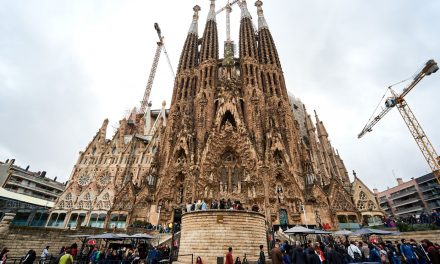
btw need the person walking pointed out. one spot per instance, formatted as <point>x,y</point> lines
<point>354,252</point>
<point>199,260</point>
<point>229,258</point>
<point>333,257</point>
<point>30,257</point>
<point>408,252</point>
<point>262,258</point>
<point>312,257</point>
<point>365,251</point>
<point>44,255</point>
<point>276,255</point>
<point>4,255</point>
<point>245,261</point>
<point>286,258</point>
<point>66,258</point>
<point>298,254</point>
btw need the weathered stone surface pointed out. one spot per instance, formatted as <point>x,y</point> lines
<point>210,233</point>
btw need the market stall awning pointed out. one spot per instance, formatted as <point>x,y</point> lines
<point>299,230</point>
<point>141,236</point>
<point>107,236</point>
<point>369,231</point>
<point>343,232</point>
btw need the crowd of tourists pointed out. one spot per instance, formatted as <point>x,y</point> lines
<point>432,218</point>
<point>222,204</point>
<point>142,254</point>
<point>337,251</point>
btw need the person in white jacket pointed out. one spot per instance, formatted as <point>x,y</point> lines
<point>354,252</point>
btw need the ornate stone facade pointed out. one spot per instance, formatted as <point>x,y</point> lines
<point>232,132</point>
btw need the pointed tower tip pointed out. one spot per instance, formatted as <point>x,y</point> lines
<point>244,11</point>
<point>212,14</point>
<point>261,20</point>
<point>194,25</point>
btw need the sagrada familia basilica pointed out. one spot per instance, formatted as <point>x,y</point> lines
<point>232,131</point>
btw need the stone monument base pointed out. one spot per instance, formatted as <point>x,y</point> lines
<point>210,233</point>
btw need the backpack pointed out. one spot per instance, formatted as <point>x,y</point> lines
<point>356,255</point>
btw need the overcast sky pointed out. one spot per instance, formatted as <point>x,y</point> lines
<point>67,65</point>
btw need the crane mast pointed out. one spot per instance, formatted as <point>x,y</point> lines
<point>411,122</point>
<point>160,46</point>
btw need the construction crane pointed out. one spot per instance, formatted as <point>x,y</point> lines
<point>397,100</point>
<point>160,47</point>
<point>228,18</point>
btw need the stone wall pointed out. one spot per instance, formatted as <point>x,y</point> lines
<point>432,235</point>
<point>209,234</point>
<point>20,239</point>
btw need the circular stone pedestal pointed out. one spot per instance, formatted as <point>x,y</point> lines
<point>210,233</point>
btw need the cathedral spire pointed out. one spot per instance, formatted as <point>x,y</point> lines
<point>209,49</point>
<point>194,28</point>
<point>189,55</point>
<point>261,20</point>
<point>268,51</point>
<point>212,14</point>
<point>244,11</point>
<point>248,42</point>
<point>320,127</point>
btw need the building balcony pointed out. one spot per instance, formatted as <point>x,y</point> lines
<point>30,190</point>
<point>40,181</point>
<point>402,194</point>
<point>410,210</point>
<point>406,202</point>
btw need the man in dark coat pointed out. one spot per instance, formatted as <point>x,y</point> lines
<point>333,257</point>
<point>298,254</point>
<point>276,255</point>
<point>312,257</point>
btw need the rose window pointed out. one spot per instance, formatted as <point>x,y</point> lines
<point>104,180</point>
<point>83,180</point>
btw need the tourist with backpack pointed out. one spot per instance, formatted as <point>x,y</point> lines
<point>354,252</point>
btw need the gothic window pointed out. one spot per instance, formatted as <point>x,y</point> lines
<point>179,198</point>
<point>113,150</point>
<point>278,157</point>
<point>228,117</point>
<point>61,205</point>
<point>87,197</point>
<point>236,181</point>
<point>68,204</point>
<point>94,151</point>
<point>284,219</point>
<point>370,205</point>
<point>228,157</point>
<point>104,180</point>
<point>151,180</point>
<point>106,197</point>
<point>341,203</point>
<point>362,196</point>
<point>83,180</point>
<point>181,157</point>
<point>360,205</point>
<point>68,197</point>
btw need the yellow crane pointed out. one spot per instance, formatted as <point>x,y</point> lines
<point>160,47</point>
<point>397,100</point>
